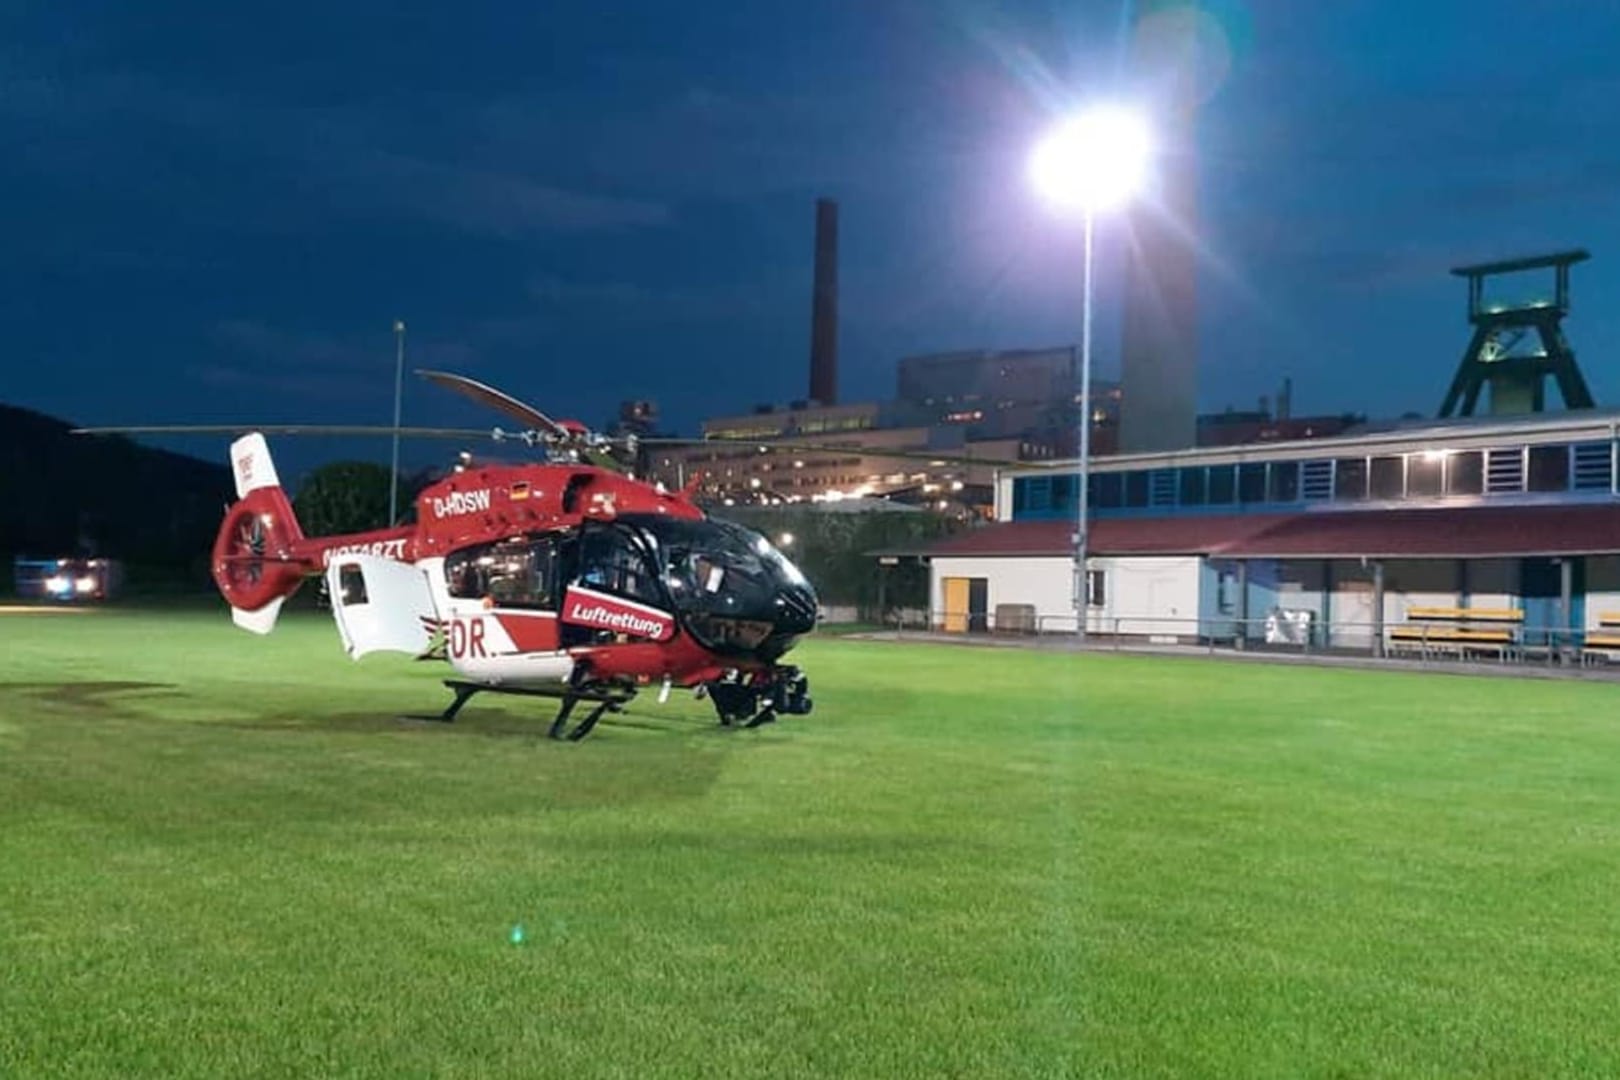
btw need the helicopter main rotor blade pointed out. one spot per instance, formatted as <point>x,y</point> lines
<point>853,448</point>
<point>495,399</point>
<point>461,434</point>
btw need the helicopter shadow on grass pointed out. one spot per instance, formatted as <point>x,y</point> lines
<point>487,723</point>
<point>106,700</point>
<point>502,723</point>
<point>666,758</point>
<point>654,754</point>
<point>90,699</point>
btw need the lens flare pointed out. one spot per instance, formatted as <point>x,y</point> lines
<point>1093,161</point>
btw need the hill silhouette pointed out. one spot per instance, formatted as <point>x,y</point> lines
<point>64,494</point>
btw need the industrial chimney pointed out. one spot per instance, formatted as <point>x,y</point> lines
<point>824,307</point>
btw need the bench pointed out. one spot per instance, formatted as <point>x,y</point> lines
<point>1458,631</point>
<point>1016,619</point>
<point>1604,642</point>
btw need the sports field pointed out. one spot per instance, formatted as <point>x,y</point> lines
<point>226,856</point>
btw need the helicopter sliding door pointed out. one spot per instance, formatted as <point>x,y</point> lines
<point>498,606</point>
<point>502,598</point>
<point>380,605</point>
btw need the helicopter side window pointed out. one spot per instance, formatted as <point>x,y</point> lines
<point>612,560</point>
<point>512,573</point>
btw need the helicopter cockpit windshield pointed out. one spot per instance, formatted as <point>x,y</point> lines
<point>734,590</point>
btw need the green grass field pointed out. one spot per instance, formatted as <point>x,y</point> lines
<point>225,856</point>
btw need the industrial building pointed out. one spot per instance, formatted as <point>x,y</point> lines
<point>966,405</point>
<point>994,422</point>
<point>997,406</point>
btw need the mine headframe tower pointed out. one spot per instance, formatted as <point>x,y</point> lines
<point>1503,354</point>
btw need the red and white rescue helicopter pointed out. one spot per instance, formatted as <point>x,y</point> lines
<point>564,579</point>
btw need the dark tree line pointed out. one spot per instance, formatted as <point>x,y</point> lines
<point>64,495</point>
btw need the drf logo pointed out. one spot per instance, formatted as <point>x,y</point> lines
<point>467,638</point>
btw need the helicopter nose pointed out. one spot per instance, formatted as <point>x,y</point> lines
<point>795,611</point>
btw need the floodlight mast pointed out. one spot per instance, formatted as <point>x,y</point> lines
<point>399,388</point>
<point>1094,161</point>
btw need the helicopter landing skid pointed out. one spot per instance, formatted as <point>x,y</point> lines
<point>583,728</point>
<point>604,703</point>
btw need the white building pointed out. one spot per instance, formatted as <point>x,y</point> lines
<point>1461,532</point>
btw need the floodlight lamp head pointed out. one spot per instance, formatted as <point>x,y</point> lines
<point>1094,161</point>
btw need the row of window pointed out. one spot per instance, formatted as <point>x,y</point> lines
<point>1419,475</point>
<point>532,571</point>
<point>752,453</point>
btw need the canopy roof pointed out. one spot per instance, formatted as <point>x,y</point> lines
<point>1442,532</point>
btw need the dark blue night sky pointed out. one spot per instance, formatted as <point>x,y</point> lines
<point>215,212</point>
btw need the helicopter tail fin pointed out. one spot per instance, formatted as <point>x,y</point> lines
<point>254,563</point>
<point>251,465</point>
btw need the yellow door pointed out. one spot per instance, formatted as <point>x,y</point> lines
<point>956,605</point>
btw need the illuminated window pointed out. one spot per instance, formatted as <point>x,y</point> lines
<point>1424,474</point>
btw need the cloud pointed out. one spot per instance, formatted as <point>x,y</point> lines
<point>333,379</point>
<point>124,135</point>
<point>253,348</point>
<point>1404,184</point>
<point>256,384</point>
<point>1369,268</point>
<point>627,299</point>
<point>283,349</point>
<point>478,200</point>
<point>697,143</point>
